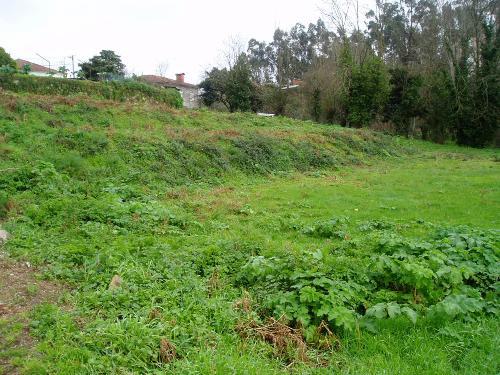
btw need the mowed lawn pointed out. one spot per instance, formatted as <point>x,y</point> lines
<point>441,191</point>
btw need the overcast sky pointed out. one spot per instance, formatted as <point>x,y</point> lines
<point>187,34</point>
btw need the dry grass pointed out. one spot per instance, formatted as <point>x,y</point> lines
<point>288,342</point>
<point>167,351</point>
<point>115,282</point>
<point>214,283</point>
<point>178,193</point>
<point>244,303</point>
<point>154,314</point>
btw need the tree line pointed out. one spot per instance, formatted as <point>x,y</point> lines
<point>427,68</point>
<point>106,66</point>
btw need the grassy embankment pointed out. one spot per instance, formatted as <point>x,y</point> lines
<point>218,222</point>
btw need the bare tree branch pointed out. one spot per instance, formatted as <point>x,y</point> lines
<point>161,68</point>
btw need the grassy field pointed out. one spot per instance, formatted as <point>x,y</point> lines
<point>241,244</point>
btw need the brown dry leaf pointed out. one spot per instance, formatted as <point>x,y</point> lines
<point>154,314</point>
<point>167,351</point>
<point>244,303</point>
<point>280,335</point>
<point>115,283</point>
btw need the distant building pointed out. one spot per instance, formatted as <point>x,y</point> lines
<point>188,91</point>
<point>294,84</point>
<point>38,70</point>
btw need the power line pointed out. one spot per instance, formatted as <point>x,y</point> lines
<point>44,59</point>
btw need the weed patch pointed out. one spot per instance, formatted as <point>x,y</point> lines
<point>444,277</point>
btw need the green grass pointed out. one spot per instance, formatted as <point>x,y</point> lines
<point>126,90</point>
<point>439,190</point>
<point>9,334</point>
<point>177,202</point>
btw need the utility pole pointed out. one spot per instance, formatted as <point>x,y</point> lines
<point>73,64</point>
<point>45,60</point>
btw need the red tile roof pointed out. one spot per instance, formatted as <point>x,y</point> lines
<point>37,68</point>
<point>162,81</point>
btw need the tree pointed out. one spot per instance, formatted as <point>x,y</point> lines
<point>6,60</point>
<point>261,61</point>
<point>26,69</point>
<point>404,103</point>
<point>368,92</point>
<point>438,106</point>
<point>324,91</point>
<point>213,87</point>
<point>63,70</point>
<point>428,65</point>
<point>105,66</point>
<point>234,47</point>
<point>479,104</point>
<point>161,68</point>
<point>239,88</point>
<point>340,15</point>
<point>290,54</point>
<point>231,87</point>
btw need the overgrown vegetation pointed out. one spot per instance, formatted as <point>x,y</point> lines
<point>205,242</point>
<point>452,274</point>
<point>126,90</point>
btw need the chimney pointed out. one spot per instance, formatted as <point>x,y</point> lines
<point>179,77</point>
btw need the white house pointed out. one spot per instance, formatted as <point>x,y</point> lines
<point>38,70</point>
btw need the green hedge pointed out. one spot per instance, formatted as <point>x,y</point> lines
<point>114,90</point>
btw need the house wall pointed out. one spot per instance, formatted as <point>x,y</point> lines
<point>190,97</point>
<point>40,74</point>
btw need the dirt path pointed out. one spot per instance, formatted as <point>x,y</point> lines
<point>20,291</point>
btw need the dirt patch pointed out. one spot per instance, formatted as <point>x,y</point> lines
<point>20,291</point>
